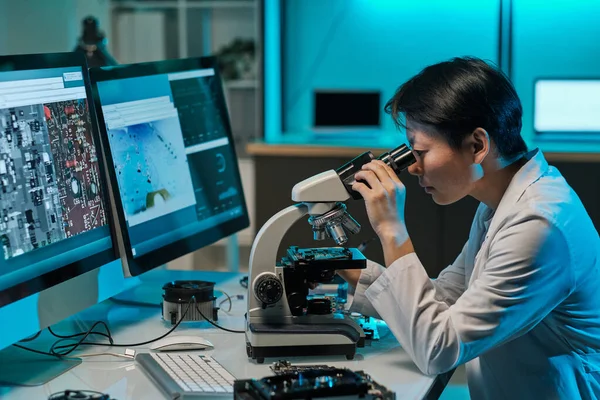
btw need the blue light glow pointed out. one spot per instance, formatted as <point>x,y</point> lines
<point>272,67</point>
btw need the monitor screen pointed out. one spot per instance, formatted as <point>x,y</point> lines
<point>567,106</point>
<point>53,218</point>
<point>347,109</point>
<point>171,158</point>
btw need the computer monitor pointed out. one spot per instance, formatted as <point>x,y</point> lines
<point>346,110</point>
<point>54,221</point>
<point>170,157</point>
<point>567,107</point>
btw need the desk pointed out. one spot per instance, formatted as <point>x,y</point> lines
<point>384,360</point>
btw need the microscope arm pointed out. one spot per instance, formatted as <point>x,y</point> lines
<point>263,255</point>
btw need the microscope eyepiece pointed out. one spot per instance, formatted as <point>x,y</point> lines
<point>338,223</point>
<point>399,159</point>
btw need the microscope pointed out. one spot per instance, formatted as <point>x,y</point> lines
<point>281,321</point>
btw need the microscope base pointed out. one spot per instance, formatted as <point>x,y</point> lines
<point>291,340</point>
<point>260,353</point>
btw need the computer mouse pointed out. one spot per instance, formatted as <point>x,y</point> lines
<point>181,342</point>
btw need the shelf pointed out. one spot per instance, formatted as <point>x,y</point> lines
<point>129,4</point>
<point>242,84</point>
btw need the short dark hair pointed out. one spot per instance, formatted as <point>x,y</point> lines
<point>457,96</point>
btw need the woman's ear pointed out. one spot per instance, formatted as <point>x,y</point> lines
<point>480,145</point>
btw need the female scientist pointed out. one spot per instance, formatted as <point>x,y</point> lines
<point>520,305</point>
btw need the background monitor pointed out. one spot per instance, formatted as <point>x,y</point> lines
<point>347,110</point>
<point>170,158</point>
<point>54,222</point>
<point>567,106</point>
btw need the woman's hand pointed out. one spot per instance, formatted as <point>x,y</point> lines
<point>384,200</point>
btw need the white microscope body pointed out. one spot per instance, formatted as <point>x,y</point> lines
<point>271,329</point>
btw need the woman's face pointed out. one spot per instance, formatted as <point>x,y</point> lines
<point>444,172</point>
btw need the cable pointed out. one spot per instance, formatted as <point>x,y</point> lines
<point>244,282</point>
<point>106,354</point>
<point>60,350</point>
<point>81,342</point>
<point>129,354</point>
<point>106,335</point>
<point>212,323</point>
<point>62,355</point>
<point>58,355</point>
<point>224,300</point>
<point>36,351</point>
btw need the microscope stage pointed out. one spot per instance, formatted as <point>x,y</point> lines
<point>325,258</point>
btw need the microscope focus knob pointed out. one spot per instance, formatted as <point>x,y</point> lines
<point>268,289</point>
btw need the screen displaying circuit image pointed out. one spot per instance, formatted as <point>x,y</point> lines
<point>49,174</point>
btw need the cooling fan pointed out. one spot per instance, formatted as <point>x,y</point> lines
<point>179,294</point>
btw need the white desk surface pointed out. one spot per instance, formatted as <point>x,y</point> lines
<point>384,360</point>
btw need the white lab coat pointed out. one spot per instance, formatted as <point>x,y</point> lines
<point>520,305</point>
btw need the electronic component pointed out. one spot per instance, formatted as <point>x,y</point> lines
<point>311,382</point>
<point>301,256</point>
<point>79,395</point>
<point>178,295</point>
<point>368,324</point>
<point>320,263</point>
<point>283,367</point>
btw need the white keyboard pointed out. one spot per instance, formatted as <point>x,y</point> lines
<point>187,375</point>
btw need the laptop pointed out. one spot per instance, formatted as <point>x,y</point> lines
<point>346,113</point>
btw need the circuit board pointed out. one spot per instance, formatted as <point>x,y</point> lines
<point>76,164</point>
<point>320,253</point>
<point>325,258</point>
<point>49,182</point>
<point>311,382</point>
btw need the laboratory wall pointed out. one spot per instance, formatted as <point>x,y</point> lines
<point>365,44</point>
<point>554,39</point>
<point>362,44</point>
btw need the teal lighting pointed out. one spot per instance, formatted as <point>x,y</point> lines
<point>272,71</point>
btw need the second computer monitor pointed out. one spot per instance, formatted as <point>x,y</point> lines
<point>170,158</point>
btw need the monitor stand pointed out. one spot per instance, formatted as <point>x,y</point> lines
<point>20,367</point>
